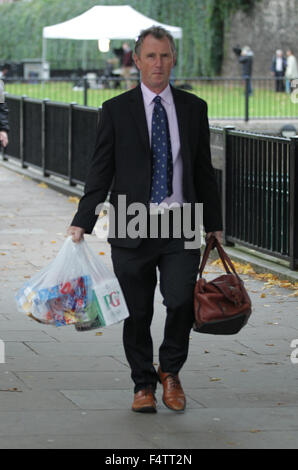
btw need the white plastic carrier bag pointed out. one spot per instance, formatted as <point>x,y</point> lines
<point>75,288</point>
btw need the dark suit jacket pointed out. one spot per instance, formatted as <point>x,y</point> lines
<point>122,159</point>
<point>284,65</point>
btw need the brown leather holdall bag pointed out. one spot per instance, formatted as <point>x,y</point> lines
<point>221,306</point>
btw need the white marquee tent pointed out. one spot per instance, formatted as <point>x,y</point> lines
<point>106,22</point>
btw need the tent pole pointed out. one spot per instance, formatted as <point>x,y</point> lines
<point>84,56</point>
<point>44,57</point>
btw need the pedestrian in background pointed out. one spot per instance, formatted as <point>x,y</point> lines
<point>4,72</point>
<point>4,127</point>
<point>278,69</point>
<point>291,70</point>
<point>246,60</point>
<point>127,63</point>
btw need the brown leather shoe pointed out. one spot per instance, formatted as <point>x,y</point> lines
<point>144,401</point>
<point>173,394</point>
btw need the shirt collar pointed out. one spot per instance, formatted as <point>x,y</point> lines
<point>148,95</point>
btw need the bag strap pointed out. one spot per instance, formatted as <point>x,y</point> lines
<point>212,242</point>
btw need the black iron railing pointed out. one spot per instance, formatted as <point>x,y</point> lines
<point>257,174</point>
<point>57,138</point>
<point>258,177</point>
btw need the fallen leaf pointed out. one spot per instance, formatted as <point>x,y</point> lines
<point>214,379</point>
<point>244,370</point>
<point>270,344</point>
<point>42,185</point>
<point>74,199</point>
<point>263,295</point>
<point>294,295</point>
<point>255,430</point>
<point>14,389</point>
<point>285,284</point>
<point>269,278</point>
<point>98,334</point>
<point>101,253</point>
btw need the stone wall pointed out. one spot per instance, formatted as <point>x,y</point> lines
<point>272,24</point>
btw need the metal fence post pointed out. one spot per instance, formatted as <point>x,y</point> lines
<point>22,121</point>
<point>293,199</point>
<point>247,99</point>
<point>70,116</point>
<point>43,136</point>
<point>85,92</point>
<point>224,195</point>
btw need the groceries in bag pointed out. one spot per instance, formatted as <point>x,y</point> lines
<point>75,288</point>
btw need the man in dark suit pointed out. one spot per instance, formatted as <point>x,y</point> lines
<point>152,147</point>
<point>278,69</point>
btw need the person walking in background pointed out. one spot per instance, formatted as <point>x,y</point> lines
<point>4,72</point>
<point>246,60</point>
<point>278,68</point>
<point>4,127</point>
<point>127,63</point>
<point>153,148</point>
<point>291,70</point>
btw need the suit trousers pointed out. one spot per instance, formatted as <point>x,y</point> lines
<point>136,270</point>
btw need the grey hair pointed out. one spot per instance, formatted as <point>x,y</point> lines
<point>246,50</point>
<point>158,33</point>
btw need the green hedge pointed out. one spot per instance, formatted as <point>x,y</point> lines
<point>203,23</point>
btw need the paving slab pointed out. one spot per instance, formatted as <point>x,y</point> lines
<point>98,440</point>
<point>33,400</point>
<point>84,363</point>
<point>20,336</point>
<point>228,440</point>
<point>54,380</point>
<point>113,399</point>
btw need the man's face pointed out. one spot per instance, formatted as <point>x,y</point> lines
<point>155,62</point>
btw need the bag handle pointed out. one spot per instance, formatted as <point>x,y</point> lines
<point>212,242</point>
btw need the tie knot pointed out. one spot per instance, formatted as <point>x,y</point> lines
<point>157,99</point>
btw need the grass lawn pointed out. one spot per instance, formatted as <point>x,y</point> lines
<point>224,100</point>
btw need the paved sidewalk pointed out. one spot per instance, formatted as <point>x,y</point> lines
<point>64,389</point>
